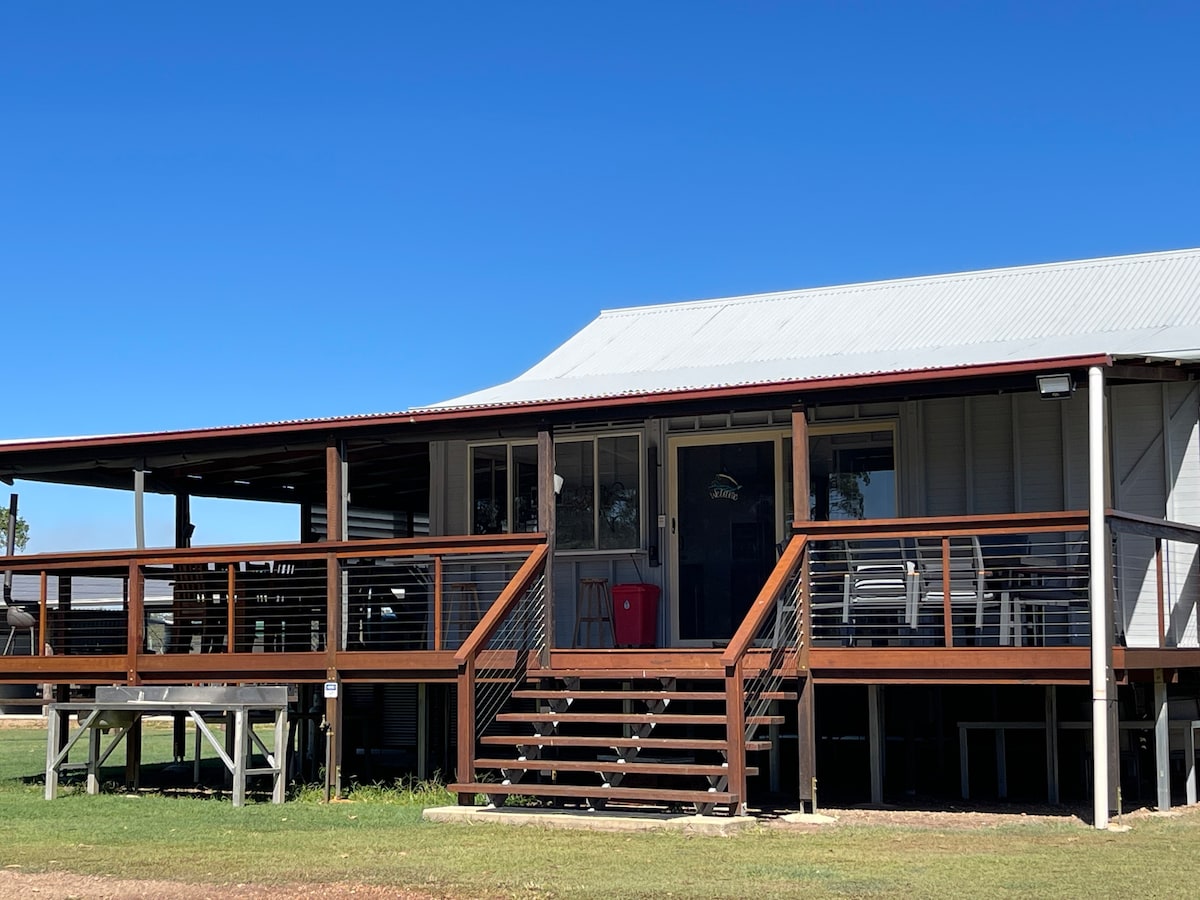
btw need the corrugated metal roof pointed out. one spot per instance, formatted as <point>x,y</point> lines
<point>1126,305</point>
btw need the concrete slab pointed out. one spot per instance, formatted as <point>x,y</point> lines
<point>800,818</point>
<point>595,820</point>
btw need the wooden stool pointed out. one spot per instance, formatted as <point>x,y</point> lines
<point>463,610</point>
<point>593,604</point>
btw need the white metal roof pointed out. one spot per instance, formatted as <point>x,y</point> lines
<point>1142,305</point>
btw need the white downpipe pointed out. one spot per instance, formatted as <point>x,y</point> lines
<point>1098,594</point>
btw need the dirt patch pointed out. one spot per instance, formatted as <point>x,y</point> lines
<point>61,885</point>
<point>966,817</point>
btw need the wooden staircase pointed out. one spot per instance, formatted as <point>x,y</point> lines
<point>635,739</point>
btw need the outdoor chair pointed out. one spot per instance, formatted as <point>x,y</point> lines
<point>1053,577</point>
<point>879,581</point>
<point>189,610</point>
<point>17,618</point>
<point>968,580</point>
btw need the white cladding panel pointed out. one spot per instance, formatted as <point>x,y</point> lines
<point>1140,487</point>
<point>990,435</point>
<point>1183,505</point>
<point>1038,430</point>
<point>943,441</point>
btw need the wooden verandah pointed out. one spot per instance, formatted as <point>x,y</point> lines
<point>780,651</point>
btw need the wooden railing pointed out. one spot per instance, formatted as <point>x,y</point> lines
<point>492,661</point>
<point>775,619</point>
<point>1167,591</point>
<point>884,581</point>
<point>402,594</point>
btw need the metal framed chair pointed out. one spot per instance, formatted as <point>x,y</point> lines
<point>18,619</point>
<point>880,580</point>
<point>968,579</point>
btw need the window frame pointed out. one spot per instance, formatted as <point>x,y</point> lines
<point>592,438</point>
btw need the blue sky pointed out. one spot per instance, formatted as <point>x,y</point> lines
<point>225,212</point>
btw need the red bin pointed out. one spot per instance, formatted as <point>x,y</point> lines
<point>635,614</point>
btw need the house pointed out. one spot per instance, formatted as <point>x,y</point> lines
<point>903,536</point>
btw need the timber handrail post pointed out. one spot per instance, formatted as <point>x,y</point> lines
<point>438,599</point>
<point>735,701</point>
<point>766,600</point>
<point>466,727</point>
<point>947,606</point>
<point>231,608</point>
<point>43,583</point>
<point>497,612</point>
<point>134,625</point>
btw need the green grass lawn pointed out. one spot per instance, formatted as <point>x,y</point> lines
<point>381,839</point>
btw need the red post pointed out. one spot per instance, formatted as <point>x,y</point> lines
<point>947,607</point>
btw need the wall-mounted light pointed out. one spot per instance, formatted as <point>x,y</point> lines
<point>558,483</point>
<point>1055,387</point>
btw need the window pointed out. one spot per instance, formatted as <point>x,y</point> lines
<point>598,508</point>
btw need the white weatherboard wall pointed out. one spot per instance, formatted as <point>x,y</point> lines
<point>1181,408</point>
<point>997,453</point>
<point>1156,472</point>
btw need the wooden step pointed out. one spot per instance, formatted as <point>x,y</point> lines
<point>765,720</point>
<point>588,765</point>
<point>780,695</point>
<point>567,694</point>
<point>583,792</point>
<point>716,673</point>
<point>617,718</point>
<point>555,740</point>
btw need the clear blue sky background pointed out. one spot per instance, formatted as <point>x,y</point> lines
<point>216,213</point>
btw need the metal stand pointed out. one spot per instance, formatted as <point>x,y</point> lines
<point>122,707</point>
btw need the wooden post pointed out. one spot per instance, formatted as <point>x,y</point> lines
<point>735,735</point>
<point>1052,792</point>
<point>183,520</point>
<point>135,625</point>
<point>466,728</point>
<point>876,734</point>
<point>42,613</point>
<point>231,606</point>
<point>438,598</point>
<point>805,709</point>
<point>546,523</point>
<point>335,531</point>
<point>800,471</point>
<point>947,606</point>
<point>806,729</point>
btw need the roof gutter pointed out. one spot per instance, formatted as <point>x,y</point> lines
<point>469,413</point>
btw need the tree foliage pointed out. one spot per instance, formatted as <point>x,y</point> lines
<point>22,532</point>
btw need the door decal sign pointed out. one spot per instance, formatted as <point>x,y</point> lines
<point>723,487</point>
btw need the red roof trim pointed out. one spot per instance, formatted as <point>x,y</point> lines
<point>415,417</point>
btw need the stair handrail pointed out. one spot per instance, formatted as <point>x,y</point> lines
<point>502,605</point>
<point>529,576</point>
<point>766,601</point>
<point>743,704</point>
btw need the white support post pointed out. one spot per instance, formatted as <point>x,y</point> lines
<point>1162,742</point>
<point>241,750</point>
<point>139,508</point>
<point>1098,594</point>
<point>279,794</point>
